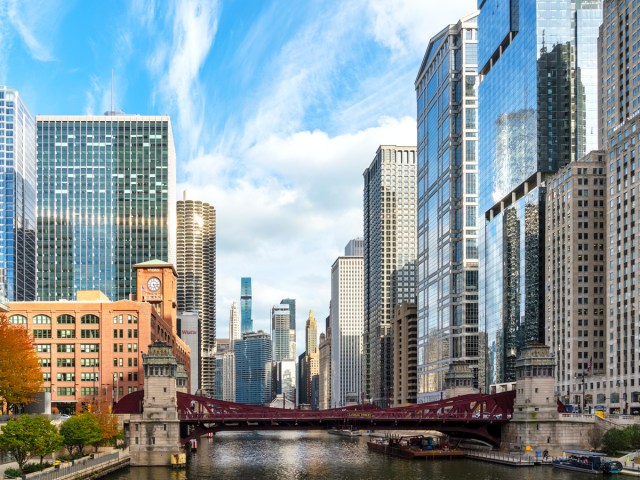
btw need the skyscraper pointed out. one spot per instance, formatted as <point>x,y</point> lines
<point>280,323</point>
<point>537,112</point>
<point>292,317</point>
<point>196,267</point>
<point>312,360</point>
<point>447,205</point>
<point>246,321</point>
<point>234,324</point>
<point>347,326</point>
<point>17,199</point>
<point>253,368</point>
<point>389,258</point>
<point>106,201</point>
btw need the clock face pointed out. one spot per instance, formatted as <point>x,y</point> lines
<point>153,284</point>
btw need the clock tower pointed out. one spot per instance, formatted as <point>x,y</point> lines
<point>156,283</point>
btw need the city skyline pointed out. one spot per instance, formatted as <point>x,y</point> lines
<point>222,132</point>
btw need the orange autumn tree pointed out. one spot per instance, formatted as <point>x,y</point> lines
<point>20,374</point>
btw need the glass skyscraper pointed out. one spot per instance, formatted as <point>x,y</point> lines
<point>106,201</point>
<point>446,89</point>
<point>280,322</point>
<point>246,322</point>
<point>253,368</point>
<point>537,98</point>
<point>17,199</point>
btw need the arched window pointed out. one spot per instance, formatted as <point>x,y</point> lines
<point>66,319</point>
<point>90,319</point>
<point>18,319</point>
<point>41,320</point>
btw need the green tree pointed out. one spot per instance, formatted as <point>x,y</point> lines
<point>80,431</point>
<point>25,437</point>
<point>633,436</point>
<point>615,440</point>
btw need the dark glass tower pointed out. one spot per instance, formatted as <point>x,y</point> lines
<point>537,112</point>
<point>246,322</point>
<point>106,201</point>
<point>17,199</point>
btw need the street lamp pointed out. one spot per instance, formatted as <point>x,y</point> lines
<point>584,396</point>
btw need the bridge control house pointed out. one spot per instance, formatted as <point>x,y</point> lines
<point>91,349</point>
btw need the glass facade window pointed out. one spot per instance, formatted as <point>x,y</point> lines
<point>246,321</point>
<point>106,201</point>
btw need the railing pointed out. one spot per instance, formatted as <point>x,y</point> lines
<point>502,457</point>
<point>77,466</point>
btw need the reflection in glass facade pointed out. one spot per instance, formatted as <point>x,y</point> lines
<point>246,322</point>
<point>253,368</point>
<point>17,199</point>
<point>389,259</point>
<point>446,89</point>
<point>106,201</point>
<point>537,112</point>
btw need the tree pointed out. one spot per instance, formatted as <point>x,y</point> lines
<point>633,436</point>
<point>615,440</point>
<point>20,374</point>
<point>25,437</point>
<point>80,431</point>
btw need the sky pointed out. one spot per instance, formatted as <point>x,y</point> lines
<point>277,107</point>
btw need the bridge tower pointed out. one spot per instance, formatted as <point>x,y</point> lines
<point>459,379</point>
<point>155,433</point>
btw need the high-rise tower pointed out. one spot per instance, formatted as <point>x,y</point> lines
<point>537,104</point>
<point>196,267</point>
<point>17,199</point>
<point>347,326</point>
<point>389,258</point>
<point>106,201</point>
<point>280,322</point>
<point>292,319</point>
<point>234,324</point>
<point>447,205</point>
<point>246,322</point>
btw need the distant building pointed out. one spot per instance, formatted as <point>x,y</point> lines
<point>106,201</point>
<point>188,330</point>
<point>389,258</point>
<point>234,324</point>
<point>196,266</point>
<point>292,325</point>
<point>347,326</point>
<point>303,397</point>
<point>324,377</point>
<point>225,387</point>
<point>253,368</point>
<point>405,355</point>
<point>91,349</point>
<point>312,360</point>
<point>280,322</point>
<point>17,199</point>
<point>246,320</point>
<point>355,248</point>
<point>283,376</point>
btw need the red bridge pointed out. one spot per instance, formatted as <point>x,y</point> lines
<point>476,416</point>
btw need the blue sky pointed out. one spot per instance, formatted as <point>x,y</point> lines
<point>277,108</point>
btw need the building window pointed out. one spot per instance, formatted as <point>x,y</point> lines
<point>66,319</point>
<point>66,334</point>
<point>90,319</point>
<point>18,319</point>
<point>41,320</point>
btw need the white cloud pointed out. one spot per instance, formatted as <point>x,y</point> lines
<point>286,207</point>
<point>405,26</point>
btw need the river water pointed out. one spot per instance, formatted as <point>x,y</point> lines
<point>318,455</point>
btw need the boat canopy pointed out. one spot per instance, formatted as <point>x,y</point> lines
<point>584,453</point>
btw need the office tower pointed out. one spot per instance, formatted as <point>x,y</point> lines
<point>312,358</point>
<point>575,266</point>
<point>347,326</point>
<point>225,387</point>
<point>280,322</point>
<point>253,368</point>
<point>188,326</point>
<point>537,104</point>
<point>405,354</point>
<point>620,100</point>
<point>17,199</point>
<point>234,324</point>
<point>447,205</point>
<point>292,317</point>
<point>355,248</point>
<point>284,382</point>
<point>389,258</point>
<point>303,397</point>
<point>324,374</point>
<point>196,266</point>
<point>246,321</point>
<point>106,201</point>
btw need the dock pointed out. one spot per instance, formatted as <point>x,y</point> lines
<point>502,458</point>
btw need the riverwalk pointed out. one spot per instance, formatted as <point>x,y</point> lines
<point>100,465</point>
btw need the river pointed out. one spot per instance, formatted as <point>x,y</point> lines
<point>318,455</point>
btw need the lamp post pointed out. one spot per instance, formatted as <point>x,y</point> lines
<point>584,393</point>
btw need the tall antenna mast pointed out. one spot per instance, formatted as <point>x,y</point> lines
<point>112,91</point>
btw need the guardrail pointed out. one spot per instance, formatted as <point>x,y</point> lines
<point>75,467</point>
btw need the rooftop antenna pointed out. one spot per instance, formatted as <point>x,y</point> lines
<point>112,91</point>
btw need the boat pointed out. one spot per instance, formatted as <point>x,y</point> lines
<point>193,445</point>
<point>412,447</point>
<point>587,462</point>
<point>345,432</point>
